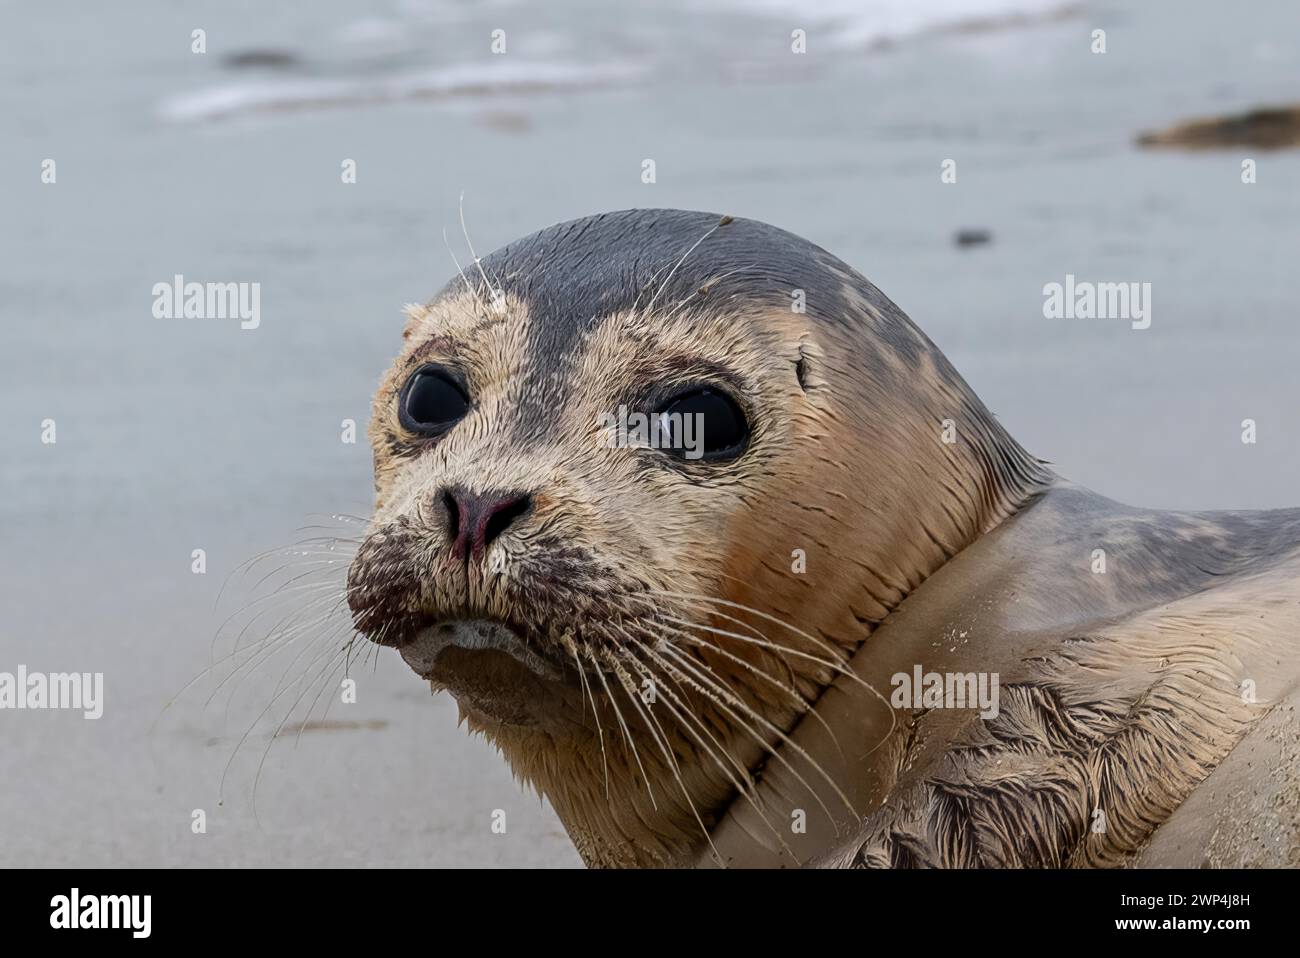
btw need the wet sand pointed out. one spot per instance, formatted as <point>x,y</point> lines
<point>175,435</point>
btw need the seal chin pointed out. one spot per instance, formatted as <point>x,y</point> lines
<point>488,666</point>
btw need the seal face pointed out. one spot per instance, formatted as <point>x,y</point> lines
<point>681,636</point>
<point>597,603</point>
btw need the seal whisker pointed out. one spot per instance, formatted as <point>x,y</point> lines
<point>709,284</point>
<point>705,674</point>
<point>207,670</point>
<point>315,608</point>
<point>837,662</point>
<point>719,694</point>
<point>347,663</point>
<point>221,788</point>
<point>836,653</point>
<point>308,587</point>
<point>776,652</point>
<point>258,654</point>
<point>667,279</point>
<point>762,643</point>
<point>341,517</point>
<point>303,547</point>
<point>316,638</point>
<point>283,642</point>
<point>747,790</point>
<point>314,611</point>
<point>661,740</point>
<point>595,712</point>
<point>311,567</point>
<point>839,666</point>
<point>802,704</point>
<point>323,675</point>
<point>491,285</point>
<point>473,290</point>
<point>324,686</point>
<point>627,736</point>
<point>747,786</point>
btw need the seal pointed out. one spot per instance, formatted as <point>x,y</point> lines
<point>692,647</point>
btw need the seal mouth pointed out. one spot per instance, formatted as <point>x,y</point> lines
<point>496,676</point>
<point>423,651</point>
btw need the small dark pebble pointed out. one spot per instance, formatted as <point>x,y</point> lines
<point>250,59</point>
<point>973,237</point>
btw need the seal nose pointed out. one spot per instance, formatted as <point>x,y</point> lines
<point>475,520</point>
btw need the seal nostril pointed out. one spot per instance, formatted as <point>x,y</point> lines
<point>475,520</point>
<point>502,515</point>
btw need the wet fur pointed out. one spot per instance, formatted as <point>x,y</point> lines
<point>906,537</point>
<point>1122,694</point>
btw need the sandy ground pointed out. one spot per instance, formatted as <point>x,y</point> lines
<point>175,435</point>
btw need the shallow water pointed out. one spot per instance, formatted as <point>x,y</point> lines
<point>175,435</point>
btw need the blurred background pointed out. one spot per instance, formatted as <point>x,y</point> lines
<point>225,166</point>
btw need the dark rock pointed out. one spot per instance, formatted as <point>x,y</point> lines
<point>266,59</point>
<point>974,237</point>
<point>1268,128</point>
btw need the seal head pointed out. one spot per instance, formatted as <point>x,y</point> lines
<point>631,621</point>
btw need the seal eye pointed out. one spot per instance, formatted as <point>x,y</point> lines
<point>432,401</point>
<point>703,423</point>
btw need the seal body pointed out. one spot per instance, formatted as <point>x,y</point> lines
<point>1147,712</point>
<point>694,659</point>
